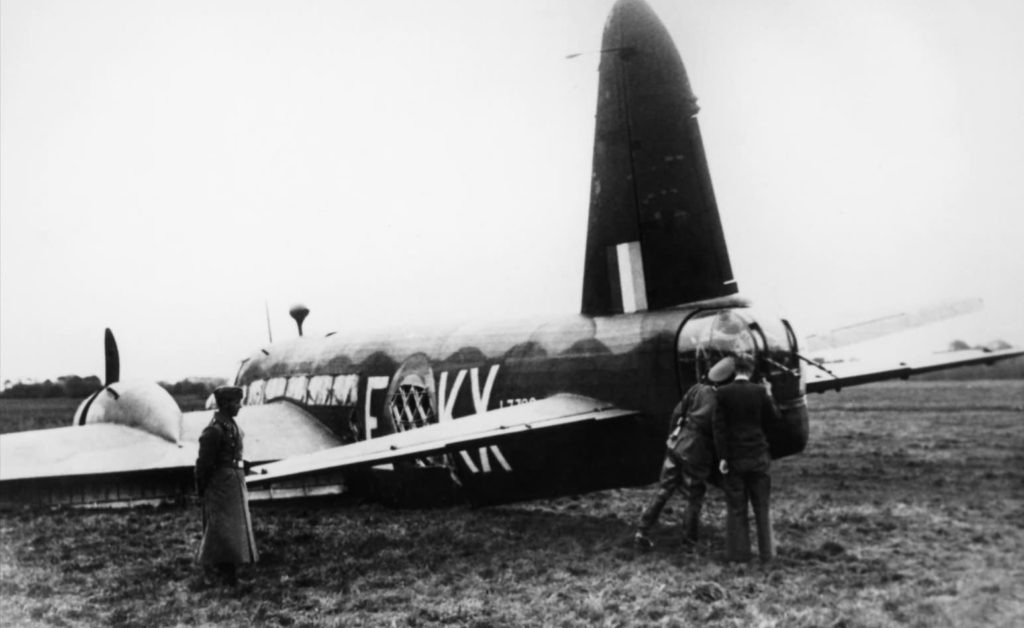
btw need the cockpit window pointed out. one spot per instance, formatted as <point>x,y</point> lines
<point>708,337</point>
<point>779,351</point>
<point>729,335</point>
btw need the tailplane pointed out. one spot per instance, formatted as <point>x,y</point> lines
<point>654,238</point>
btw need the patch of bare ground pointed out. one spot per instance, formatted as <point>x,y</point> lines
<point>907,509</point>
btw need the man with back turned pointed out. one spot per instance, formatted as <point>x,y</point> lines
<point>689,457</point>
<point>742,415</point>
<point>220,481</point>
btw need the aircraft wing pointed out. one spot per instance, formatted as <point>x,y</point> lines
<point>279,429</point>
<point>448,436</point>
<point>272,432</point>
<point>852,373</point>
<point>88,450</point>
<point>890,324</point>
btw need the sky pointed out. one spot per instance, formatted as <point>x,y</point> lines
<point>172,170</point>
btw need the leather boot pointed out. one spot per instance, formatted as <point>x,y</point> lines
<point>228,573</point>
<point>691,523</point>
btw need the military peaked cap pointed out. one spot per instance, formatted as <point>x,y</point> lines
<point>223,394</point>
<point>722,371</point>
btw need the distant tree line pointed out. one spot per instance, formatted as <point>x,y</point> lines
<point>75,387</point>
<point>71,386</point>
<point>1007,369</point>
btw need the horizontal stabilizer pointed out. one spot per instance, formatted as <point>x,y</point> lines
<point>844,374</point>
<point>447,436</point>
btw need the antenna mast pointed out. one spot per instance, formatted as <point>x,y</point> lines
<point>270,335</point>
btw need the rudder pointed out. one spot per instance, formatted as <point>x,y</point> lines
<point>654,238</point>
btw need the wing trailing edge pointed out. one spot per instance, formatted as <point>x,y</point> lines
<point>448,436</point>
<point>845,374</point>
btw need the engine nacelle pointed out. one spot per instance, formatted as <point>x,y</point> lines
<point>139,404</point>
<point>789,435</point>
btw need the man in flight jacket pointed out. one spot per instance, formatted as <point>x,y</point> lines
<point>689,457</point>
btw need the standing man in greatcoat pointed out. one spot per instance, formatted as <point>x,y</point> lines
<point>743,414</point>
<point>220,481</point>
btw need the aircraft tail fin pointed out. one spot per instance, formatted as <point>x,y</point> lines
<point>654,238</point>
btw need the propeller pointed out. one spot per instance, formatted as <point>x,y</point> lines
<point>113,360</point>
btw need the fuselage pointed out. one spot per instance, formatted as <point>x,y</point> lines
<point>379,384</point>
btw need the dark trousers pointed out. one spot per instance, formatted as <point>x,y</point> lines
<point>753,487</point>
<point>677,473</point>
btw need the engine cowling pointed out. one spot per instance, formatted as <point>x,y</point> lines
<point>140,404</point>
<point>789,435</point>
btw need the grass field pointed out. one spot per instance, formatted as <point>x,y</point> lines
<point>906,510</point>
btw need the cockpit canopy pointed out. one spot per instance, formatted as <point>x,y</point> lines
<point>710,335</point>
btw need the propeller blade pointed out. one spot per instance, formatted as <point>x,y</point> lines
<point>113,360</point>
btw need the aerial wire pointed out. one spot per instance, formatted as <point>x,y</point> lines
<point>270,335</point>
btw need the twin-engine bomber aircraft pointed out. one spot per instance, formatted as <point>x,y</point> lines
<point>499,413</point>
